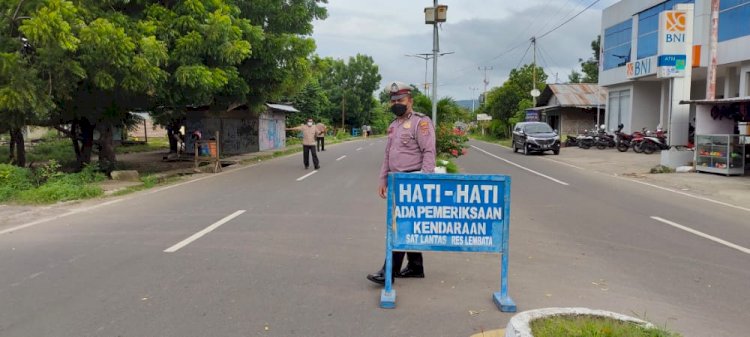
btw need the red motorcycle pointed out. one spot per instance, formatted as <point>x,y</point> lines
<point>637,141</point>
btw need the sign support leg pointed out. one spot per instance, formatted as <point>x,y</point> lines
<point>501,298</point>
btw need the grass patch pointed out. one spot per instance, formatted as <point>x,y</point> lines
<point>45,186</point>
<point>662,169</point>
<point>47,149</point>
<point>154,144</point>
<point>592,326</point>
<point>445,161</point>
<point>491,139</point>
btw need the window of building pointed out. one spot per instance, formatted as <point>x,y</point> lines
<point>648,28</point>
<point>617,42</point>
<point>733,19</point>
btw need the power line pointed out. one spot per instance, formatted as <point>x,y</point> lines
<point>524,55</point>
<point>568,20</point>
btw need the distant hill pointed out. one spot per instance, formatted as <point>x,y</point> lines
<point>466,103</point>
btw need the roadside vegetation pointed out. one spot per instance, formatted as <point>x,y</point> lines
<point>47,184</point>
<point>590,326</point>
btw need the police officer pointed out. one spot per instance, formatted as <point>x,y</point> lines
<point>410,148</point>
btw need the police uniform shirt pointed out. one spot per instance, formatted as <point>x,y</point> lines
<point>410,146</point>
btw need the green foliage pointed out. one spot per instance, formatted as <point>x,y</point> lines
<point>47,184</point>
<point>349,86</point>
<point>450,141</point>
<point>149,181</point>
<point>445,161</point>
<point>505,103</point>
<point>590,67</point>
<point>590,326</point>
<point>341,134</point>
<point>662,169</point>
<point>574,77</point>
<point>12,180</point>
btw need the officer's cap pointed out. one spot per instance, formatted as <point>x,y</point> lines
<point>398,90</point>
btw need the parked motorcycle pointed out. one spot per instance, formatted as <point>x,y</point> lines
<point>586,140</point>
<point>655,141</point>
<point>571,140</point>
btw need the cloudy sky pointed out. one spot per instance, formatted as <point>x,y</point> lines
<point>492,33</point>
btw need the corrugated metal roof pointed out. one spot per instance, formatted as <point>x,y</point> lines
<point>282,107</point>
<point>576,94</point>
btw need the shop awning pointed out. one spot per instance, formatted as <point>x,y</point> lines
<point>717,101</point>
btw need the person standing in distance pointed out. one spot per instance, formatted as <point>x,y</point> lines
<point>320,136</point>
<point>410,148</point>
<point>309,130</point>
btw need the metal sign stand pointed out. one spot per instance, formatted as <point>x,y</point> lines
<point>214,153</point>
<point>462,194</point>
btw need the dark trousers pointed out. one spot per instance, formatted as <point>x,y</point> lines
<point>306,157</point>
<point>321,143</point>
<point>415,261</point>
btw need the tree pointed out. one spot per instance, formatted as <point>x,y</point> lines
<point>350,85</point>
<point>590,67</point>
<point>25,95</point>
<point>503,103</point>
<point>574,77</point>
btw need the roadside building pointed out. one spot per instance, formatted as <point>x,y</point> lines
<point>240,130</point>
<point>653,58</point>
<point>570,108</point>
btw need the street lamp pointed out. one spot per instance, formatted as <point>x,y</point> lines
<point>426,57</point>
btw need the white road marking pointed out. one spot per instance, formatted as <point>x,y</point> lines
<point>522,167</point>
<point>703,235</point>
<point>648,184</point>
<point>564,163</point>
<point>359,149</point>
<point>688,194</point>
<point>75,211</point>
<point>205,231</point>
<point>342,157</point>
<point>306,175</point>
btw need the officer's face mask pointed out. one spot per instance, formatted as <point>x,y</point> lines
<point>309,123</point>
<point>398,109</point>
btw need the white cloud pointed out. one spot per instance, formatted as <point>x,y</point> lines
<point>481,33</point>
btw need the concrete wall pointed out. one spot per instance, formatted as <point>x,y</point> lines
<point>574,120</point>
<point>238,130</point>
<point>272,133</point>
<point>646,106</point>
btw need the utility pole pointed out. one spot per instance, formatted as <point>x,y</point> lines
<point>435,50</point>
<point>473,97</point>
<point>713,51</point>
<point>434,15</point>
<point>533,83</point>
<point>486,81</point>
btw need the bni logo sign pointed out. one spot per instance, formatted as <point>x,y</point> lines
<point>674,27</point>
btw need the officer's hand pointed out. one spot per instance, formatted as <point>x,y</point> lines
<point>382,190</point>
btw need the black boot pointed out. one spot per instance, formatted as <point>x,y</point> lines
<point>379,277</point>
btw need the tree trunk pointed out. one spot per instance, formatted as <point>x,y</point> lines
<point>12,148</point>
<point>107,157</point>
<point>20,155</point>
<point>73,135</point>
<point>87,142</point>
<point>172,130</point>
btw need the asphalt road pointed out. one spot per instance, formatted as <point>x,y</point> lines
<point>285,254</point>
